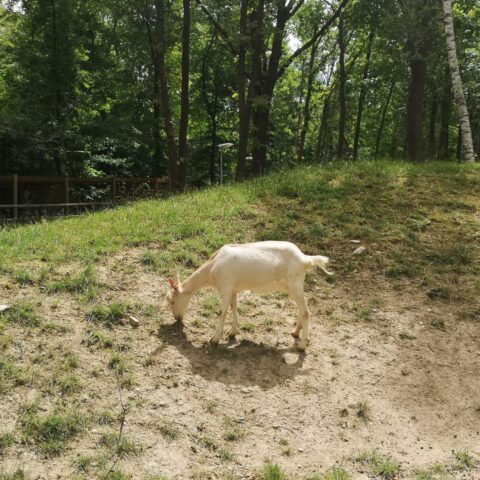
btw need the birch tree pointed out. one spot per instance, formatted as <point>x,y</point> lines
<point>460,102</point>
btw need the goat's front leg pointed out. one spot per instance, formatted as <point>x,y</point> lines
<point>221,319</point>
<point>233,306</point>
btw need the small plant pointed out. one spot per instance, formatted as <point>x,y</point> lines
<point>169,430</point>
<point>83,283</point>
<point>110,315</point>
<point>123,446</point>
<point>98,338</point>
<point>464,460</point>
<point>6,440</point>
<point>148,258</point>
<point>208,442</point>
<point>337,474</point>
<point>117,362</point>
<point>10,374</point>
<point>82,463</point>
<point>51,433</point>
<point>362,410</point>
<point>211,406</point>
<point>272,471</point>
<point>117,475</point>
<point>247,327</point>
<point>233,431</point>
<point>106,418</point>
<point>21,313</point>
<point>23,278</point>
<point>380,466</point>
<point>224,455</point>
<point>17,475</point>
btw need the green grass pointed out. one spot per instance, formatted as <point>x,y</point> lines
<point>6,440</point>
<point>84,282</point>
<point>383,467</point>
<point>108,315</point>
<point>123,447</point>
<point>50,433</point>
<point>17,475</point>
<point>271,471</point>
<point>22,314</point>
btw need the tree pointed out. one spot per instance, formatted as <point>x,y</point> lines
<point>463,118</point>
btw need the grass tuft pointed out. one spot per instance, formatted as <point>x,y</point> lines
<point>21,313</point>
<point>271,471</point>
<point>108,315</point>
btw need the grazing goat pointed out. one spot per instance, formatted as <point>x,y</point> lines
<point>259,267</point>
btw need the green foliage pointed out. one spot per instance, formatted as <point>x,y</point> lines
<point>272,471</point>
<point>81,283</point>
<point>109,315</point>
<point>50,433</point>
<point>22,314</point>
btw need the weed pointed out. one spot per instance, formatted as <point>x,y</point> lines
<point>123,446</point>
<point>169,430</point>
<point>109,315</point>
<point>224,455</point>
<point>380,466</point>
<point>208,443</point>
<point>211,406</point>
<point>21,313</point>
<point>337,474</point>
<point>247,327</point>
<point>272,471</point>
<point>118,362</point>
<point>23,278</point>
<point>52,432</point>
<point>10,375</point>
<point>106,418</point>
<point>6,440</point>
<point>464,460</point>
<point>82,283</point>
<point>97,338</point>
<point>17,475</point>
<point>362,410</point>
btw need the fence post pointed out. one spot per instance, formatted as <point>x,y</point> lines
<point>15,197</point>
<point>114,190</point>
<point>66,194</point>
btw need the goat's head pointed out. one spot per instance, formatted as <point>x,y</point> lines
<point>177,298</point>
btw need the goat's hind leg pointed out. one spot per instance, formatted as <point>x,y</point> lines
<point>221,319</point>
<point>233,306</point>
<point>303,319</point>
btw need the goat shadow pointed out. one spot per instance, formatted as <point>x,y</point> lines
<point>243,363</point>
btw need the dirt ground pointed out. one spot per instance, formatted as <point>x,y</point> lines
<point>388,370</point>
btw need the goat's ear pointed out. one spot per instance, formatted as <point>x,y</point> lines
<point>173,283</point>
<point>177,277</point>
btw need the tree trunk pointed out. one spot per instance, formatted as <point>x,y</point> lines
<point>306,107</point>
<point>418,79</point>
<point>432,129</point>
<point>56,152</point>
<point>157,145</point>
<point>443,150</point>
<point>460,102</point>
<point>363,94</point>
<point>160,53</point>
<point>183,129</point>
<point>341,90</point>
<point>242,100</point>
<point>322,135</point>
<point>382,119</point>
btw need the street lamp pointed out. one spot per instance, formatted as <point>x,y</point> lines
<point>222,147</point>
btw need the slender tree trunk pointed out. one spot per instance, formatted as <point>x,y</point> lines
<point>363,94</point>
<point>243,117</point>
<point>382,119</point>
<point>56,153</point>
<point>160,52</point>
<point>341,90</point>
<point>459,143</point>
<point>183,129</point>
<point>157,144</point>
<point>418,80</point>
<point>306,107</point>
<point>464,120</point>
<point>322,131</point>
<point>432,129</point>
<point>443,150</point>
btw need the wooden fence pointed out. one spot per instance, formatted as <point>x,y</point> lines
<point>54,193</point>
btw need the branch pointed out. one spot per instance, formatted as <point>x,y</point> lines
<point>223,33</point>
<point>293,9</point>
<point>315,37</point>
<point>122,424</point>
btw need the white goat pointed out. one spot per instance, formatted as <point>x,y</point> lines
<point>258,267</point>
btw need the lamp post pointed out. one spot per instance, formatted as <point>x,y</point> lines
<point>222,147</point>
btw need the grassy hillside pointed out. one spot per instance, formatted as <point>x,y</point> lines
<point>417,220</point>
<point>389,382</point>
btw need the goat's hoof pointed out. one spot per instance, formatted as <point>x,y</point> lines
<point>232,335</point>
<point>214,342</point>
<point>295,334</point>
<point>302,346</point>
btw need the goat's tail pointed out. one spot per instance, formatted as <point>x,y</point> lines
<point>319,261</point>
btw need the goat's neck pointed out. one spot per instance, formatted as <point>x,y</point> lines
<point>198,279</point>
